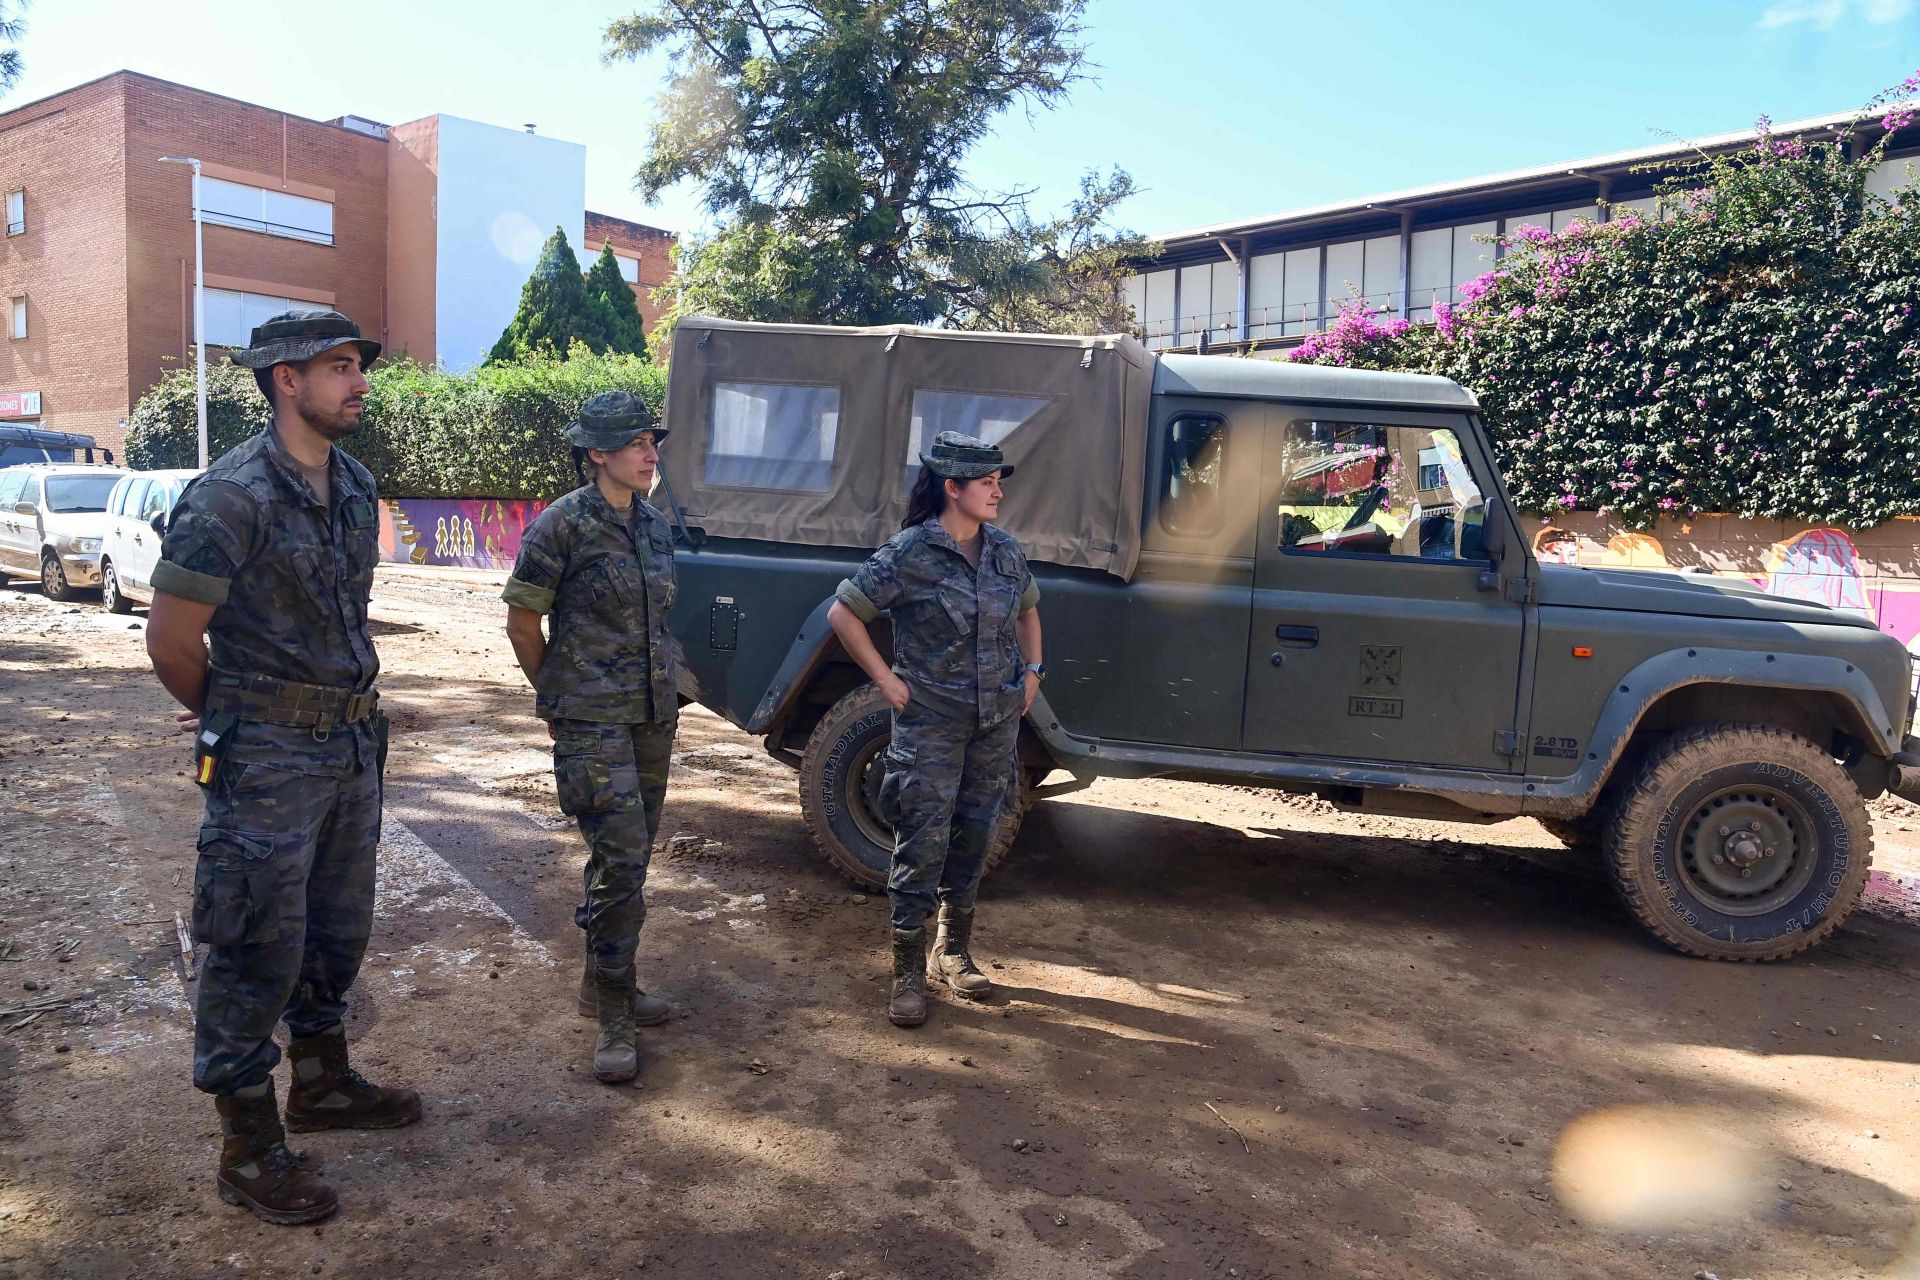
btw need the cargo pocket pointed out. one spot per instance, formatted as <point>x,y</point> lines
<point>894,768</point>
<point>955,600</point>
<point>228,886</point>
<point>593,770</point>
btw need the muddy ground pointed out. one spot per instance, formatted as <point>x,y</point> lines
<point>1237,1035</point>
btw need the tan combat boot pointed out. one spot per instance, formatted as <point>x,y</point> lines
<point>326,1093</point>
<point>257,1172</point>
<point>616,1058</point>
<point>951,961</point>
<point>908,1008</point>
<point>648,1011</point>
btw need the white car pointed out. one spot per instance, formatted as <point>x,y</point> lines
<point>52,522</point>
<point>138,511</point>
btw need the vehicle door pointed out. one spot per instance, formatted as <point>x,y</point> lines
<point>156,501</point>
<point>1190,597</point>
<point>1378,633</point>
<point>122,517</point>
<point>18,532</point>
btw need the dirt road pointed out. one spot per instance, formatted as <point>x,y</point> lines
<point>1237,1036</point>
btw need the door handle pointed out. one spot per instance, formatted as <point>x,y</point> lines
<point>1297,637</point>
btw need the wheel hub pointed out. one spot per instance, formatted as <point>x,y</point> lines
<point>1742,846</point>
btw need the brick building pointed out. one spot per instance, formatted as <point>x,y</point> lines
<point>96,266</point>
<point>645,255</point>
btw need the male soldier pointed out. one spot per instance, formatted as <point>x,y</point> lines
<point>270,556</point>
<point>599,561</point>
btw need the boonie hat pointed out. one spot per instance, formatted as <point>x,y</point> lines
<point>294,336</point>
<point>955,456</point>
<point>611,420</point>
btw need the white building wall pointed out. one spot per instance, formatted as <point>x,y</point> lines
<point>501,194</point>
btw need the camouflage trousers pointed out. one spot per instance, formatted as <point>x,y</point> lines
<point>282,897</point>
<point>612,779</point>
<point>945,783</point>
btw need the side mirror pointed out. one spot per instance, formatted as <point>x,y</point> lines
<point>1493,531</point>
<point>25,509</point>
<point>1493,541</point>
<point>158,523</point>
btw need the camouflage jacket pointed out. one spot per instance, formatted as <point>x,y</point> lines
<point>608,585</point>
<point>953,626</point>
<point>290,579</point>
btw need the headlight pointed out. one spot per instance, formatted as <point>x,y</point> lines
<point>86,545</point>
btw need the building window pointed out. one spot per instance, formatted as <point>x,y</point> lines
<point>231,316</point>
<point>629,268</point>
<point>273,213</point>
<point>17,325</point>
<point>16,212</point>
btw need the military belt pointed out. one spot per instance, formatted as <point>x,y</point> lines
<point>267,700</point>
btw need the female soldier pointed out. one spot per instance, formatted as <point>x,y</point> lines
<point>600,561</point>
<point>963,604</point>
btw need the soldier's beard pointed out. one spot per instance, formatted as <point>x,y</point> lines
<point>335,424</point>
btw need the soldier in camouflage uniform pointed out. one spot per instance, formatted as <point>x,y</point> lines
<point>964,608</point>
<point>270,555</point>
<point>599,563</point>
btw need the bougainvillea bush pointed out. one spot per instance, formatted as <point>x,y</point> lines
<point>1756,351</point>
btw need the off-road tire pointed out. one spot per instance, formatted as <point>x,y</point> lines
<point>111,596</point>
<point>832,781</point>
<point>1661,842</point>
<point>53,578</point>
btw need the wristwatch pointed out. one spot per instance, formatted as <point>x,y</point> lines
<point>1037,669</point>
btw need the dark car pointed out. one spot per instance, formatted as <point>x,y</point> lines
<point>1279,575</point>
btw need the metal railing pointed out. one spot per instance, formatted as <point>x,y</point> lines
<point>280,229</point>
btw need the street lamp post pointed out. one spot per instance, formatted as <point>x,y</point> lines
<point>199,308</point>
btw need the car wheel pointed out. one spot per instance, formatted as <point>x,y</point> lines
<point>110,593</point>
<point>1739,842</point>
<point>53,578</point>
<point>840,772</point>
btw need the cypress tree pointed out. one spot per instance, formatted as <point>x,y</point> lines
<point>627,331</point>
<point>556,309</point>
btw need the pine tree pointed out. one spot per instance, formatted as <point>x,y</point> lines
<point>556,309</point>
<point>628,331</point>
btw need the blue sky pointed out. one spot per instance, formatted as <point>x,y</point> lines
<point>1223,109</point>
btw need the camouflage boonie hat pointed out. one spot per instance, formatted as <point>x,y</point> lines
<point>611,420</point>
<point>962,457</point>
<point>294,336</point>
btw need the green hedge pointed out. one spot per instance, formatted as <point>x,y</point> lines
<point>425,433</point>
<point>1755,352</point>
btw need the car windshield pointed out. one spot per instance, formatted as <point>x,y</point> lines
<point>79,493</point>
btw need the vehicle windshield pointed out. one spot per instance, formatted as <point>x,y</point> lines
<point>79,493</point>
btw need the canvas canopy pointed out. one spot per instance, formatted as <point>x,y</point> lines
<point>811,434</point>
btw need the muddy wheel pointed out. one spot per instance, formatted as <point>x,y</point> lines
<point>53,578</point>
<point>1739,842</point>
<point>110,594</point>
<point>840,779</point>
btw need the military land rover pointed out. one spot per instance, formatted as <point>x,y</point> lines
<point>1289,576</point>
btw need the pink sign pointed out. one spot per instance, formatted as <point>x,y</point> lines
<point>19,404</point>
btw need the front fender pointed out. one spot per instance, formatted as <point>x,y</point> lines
<point>796,670</point>
<point>1663,673</point>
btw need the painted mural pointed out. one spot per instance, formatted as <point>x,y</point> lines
<point>1829,566</point>
<point>467,533</point>
<point>1880,582</point>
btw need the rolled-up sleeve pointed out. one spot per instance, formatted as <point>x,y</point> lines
<point>215,529</point>
<point>1030,594</point>
<point>875,586</point>
<point>538,568</point>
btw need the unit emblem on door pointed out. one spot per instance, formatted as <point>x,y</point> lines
<point>1380,669</point>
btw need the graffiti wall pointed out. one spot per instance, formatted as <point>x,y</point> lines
<point>1872,572</point>
<point>471,533</point>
